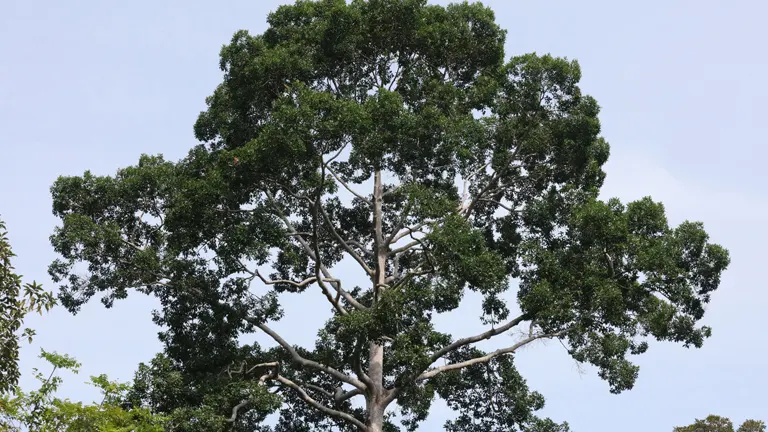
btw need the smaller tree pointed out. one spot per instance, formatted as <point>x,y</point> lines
<point>715,423</point>
<point>40,410</point>
<point>16,300</point>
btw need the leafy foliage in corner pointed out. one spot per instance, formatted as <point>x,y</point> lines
<point>16,301</point>
<point>394,136</point>
<point>715,423</point>
<point>40,410</point>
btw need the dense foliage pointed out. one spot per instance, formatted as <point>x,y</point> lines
<point>42,411</point>
<point>715,423</point>
<point>16,301</point>
<point>392,135</point>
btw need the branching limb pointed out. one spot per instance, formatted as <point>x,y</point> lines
<point>343,243</point>
<point>318,389</point>
<point>484,359</point>
<point>347,186</point>
<point>340,395</point>
<point>308,250</point>
<point>400,223</point>
<point>273,373</point>
<point>394,189</point>
<point>298,359</point>
<point>466,210</point>
<point>237,409</point>
<point>297,284</point>
<point>406,232</point>
<point>498,203</point>
<point>405,248</point>
<point>425,374</point>
<point>477,338</point>
<point>316,247</point>
<point>360,246</point>
<point>357,365</point>
<point>317,405</point>
<point>245,372</point>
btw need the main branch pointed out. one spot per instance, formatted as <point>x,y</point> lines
<point>483,359</point>
<point>347,186</point>
<point>344,243</point>
<point>317,405</point>
<point>326,273</point>
<point>477,338</point>
<point>274,375</point>
<point>300,360</point>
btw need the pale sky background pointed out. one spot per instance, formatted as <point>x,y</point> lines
<point>93,84</point>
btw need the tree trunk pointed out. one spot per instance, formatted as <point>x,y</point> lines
<point>375,398</point>
<point>375,417</point>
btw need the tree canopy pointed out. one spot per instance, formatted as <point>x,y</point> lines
<point>396,136</point>
<point>715,423</point>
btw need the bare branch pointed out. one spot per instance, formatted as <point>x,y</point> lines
<point>405,247</point>
<point>317,405</point>
<point>298,359</point>
<point>235,410</point>
<point>340,395</point>
<point>406,232</point>
<point>308,250</point>
<point>271,375</point>
<point>477,338</point>
<point>299,284</point>
<point>360,246</point>
<point>347,186</point>
<point>483,359</point>
<point>505,207</point>
<point>357,365</point>
<point>344,244</point>
<point>338,153</point>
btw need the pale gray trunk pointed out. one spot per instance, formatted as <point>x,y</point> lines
<point>375,398</point>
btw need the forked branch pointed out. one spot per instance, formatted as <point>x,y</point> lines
<point>326,273</point>
<point>477,338</point>
<point>347,186</point>
<point>344,244</point>
<point>300,360</point>
<point>317,405</point>
<point>274,375</point>
<point>484,359</point>
<point>296,284</point>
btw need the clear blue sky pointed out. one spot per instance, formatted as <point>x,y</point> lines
<point>93,84</point>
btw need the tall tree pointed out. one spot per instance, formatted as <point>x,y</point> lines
<point>393,135</point>
<point>715,423</point>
